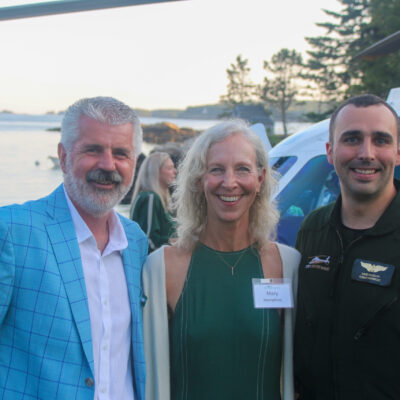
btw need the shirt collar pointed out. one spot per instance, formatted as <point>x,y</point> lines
<point>386,223</point>
<point>117,237</point>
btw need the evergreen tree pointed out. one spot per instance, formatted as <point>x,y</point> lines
<point>329,67</point>
<point>281,84</point>
<point>240,89</point>
<point>380,74</point>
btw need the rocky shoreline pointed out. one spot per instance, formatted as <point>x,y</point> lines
<point>164,132</point>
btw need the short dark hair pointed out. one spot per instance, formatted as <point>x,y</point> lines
<point>363,100</point>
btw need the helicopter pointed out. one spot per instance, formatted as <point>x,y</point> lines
<point>306,180</point>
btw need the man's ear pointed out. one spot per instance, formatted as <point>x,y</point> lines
<point>329,151</point>
<point>62,156</point>
<point>398,155</point>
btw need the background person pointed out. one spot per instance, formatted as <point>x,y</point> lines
<point>151,199</point>
<point>128,197</point>
<point>70,270</point>
<point>348,323</point>
<point>221,346</point>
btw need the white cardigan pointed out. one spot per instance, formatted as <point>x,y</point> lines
<point>155,325</point>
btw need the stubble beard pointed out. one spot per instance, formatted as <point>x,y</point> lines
<point>366,192</point>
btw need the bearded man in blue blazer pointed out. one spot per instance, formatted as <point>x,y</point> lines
<point>70,270</point>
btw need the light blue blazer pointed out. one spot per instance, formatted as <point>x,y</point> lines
<point>45,335</point>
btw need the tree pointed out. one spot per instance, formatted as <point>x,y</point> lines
<point>281,84</point>
<point>380,74</point>
<point>329,67</point>
<point>334,72</point>
<point>240,89</point>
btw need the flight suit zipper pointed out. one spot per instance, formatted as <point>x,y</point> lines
<point>341,259</point>
<point>340,262</point>
<point>337,271</point>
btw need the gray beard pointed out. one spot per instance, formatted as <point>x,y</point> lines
<point>94,201</point>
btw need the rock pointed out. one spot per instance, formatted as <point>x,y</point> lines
<point>167,132</point>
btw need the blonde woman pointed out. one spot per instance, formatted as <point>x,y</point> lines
<point>221,346</point>
<point>151,199</point>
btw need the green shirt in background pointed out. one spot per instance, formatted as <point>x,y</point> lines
<point>148,211</point>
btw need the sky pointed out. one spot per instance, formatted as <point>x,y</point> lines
<point>167,55</point>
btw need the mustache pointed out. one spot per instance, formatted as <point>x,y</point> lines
<point>104,177</point>
<point>364,164</point>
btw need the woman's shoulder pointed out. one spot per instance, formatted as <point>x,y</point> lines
<point>169,255</point>
<point>285,249</point>
<point>175,255</point>
<point>153,274</point>
<point>290,258</point>
<point>156,255</point>
<point>177,262</point>
<point>154,266</point>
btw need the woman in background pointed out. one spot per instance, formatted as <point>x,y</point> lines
<point>151,199</point>
<point>221,346</point>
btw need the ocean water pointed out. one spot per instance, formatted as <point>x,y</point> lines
<point>26,171</point>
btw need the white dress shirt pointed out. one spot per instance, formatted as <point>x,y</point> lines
<point>109,309</point>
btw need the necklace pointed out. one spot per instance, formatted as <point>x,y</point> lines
<point>232,267</point>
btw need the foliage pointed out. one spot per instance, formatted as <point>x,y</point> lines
<point>333,71</point>
<point>332,68</point>
<point>240,89</point>
<point>380,74</point>
<point>329,67</point>
<point>275,139</point>
<point>281,84</point>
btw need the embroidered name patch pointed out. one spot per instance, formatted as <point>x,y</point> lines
<point>373,272</point>
<point>318,262</point>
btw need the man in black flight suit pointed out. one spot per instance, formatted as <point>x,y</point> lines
<point>347,343</point>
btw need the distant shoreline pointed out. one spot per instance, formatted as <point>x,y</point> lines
<point>199,112</point>
<point>52,123</point>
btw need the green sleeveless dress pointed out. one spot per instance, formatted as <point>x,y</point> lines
<point>221,346</point>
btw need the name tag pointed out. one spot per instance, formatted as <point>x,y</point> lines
<point>272,293</point>
<point>373,272</point>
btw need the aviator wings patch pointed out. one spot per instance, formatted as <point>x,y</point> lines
<point>372,267</point>
<point>372,272</point>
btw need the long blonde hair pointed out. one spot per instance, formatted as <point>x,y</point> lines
<point>189,200</point>
<point>148,178</point>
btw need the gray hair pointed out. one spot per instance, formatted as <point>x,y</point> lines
<point>189,200</point>
<point>106,110</point>
<point>148,178</point>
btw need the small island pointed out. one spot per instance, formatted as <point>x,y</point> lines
<point>164,132</point>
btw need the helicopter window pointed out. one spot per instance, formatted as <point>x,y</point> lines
<point>315,185</point>
<point>304,191</point>
<point>330,190</point>
<point>281,165</point>
<point>397,172</point>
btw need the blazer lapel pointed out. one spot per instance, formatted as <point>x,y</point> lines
<point>61,232</point>
<point>132,274</point>
<point>132,267</point>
